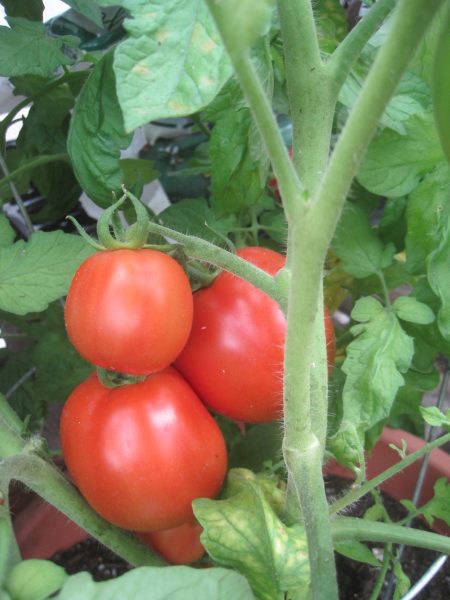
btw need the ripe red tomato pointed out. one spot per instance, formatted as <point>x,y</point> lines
<point>129,310</point>
<point>180,545</point>
<point>141,453</point>
<point>234,356</point>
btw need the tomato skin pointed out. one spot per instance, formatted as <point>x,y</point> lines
<point>141,453</point>
<point>129,310</point>
<point>234,356</point>
<point>180,545</point>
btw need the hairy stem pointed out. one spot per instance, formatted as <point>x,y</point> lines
<point>349,528</point>
<point>223,259</point>
<point>309,91</point>
<point>50,484</point>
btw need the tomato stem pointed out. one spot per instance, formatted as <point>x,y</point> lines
<point>205,251</point>
<point>47,481</point>
<point>348,528</point>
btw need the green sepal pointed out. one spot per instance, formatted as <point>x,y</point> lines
<point>112,379</point>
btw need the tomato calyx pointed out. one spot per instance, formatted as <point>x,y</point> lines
<point>131,237</point>
<point>113,379</point>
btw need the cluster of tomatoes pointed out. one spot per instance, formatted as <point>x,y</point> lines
<point>141,452</point>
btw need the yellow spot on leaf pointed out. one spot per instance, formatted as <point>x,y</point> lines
<point>140,68</point>
<point>161,36</point>
<point>177,106</point>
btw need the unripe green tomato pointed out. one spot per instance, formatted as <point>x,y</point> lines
<point>35,579</point>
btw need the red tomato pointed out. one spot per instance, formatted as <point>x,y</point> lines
<point>234,356</point>
<point>180,545</point>
<point>129,310</point>
<point>141,453</point>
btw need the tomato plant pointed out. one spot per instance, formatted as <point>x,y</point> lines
<point>179,545</point>
<point>141,453</point>
<point>129,310</point>
<point>234,356</point>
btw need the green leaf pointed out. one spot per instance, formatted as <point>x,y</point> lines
<point>7,233</point>
<point>34,273</point>
<point>332,22</point>
<point>411,97</point>
<point>41,135</point>
<point>439,506</point>
<point>243,532</point>
<point>88,9</point>
<point>434,417</point>
<point>241,23</point>
<point>409,309</point>
<point>356,551</point>
<point>402,582</point>
<point>357,245</point>
<point>176,583</point>
<point>195,217</point>
<point>172,64</point>
<point>439,277</point>
<point>395,163</point>
<point>28,9</point>
<point>427,214</point>
<point>235,176</point>
<point>97,134</point>
<point>61,190</point>
<point>138,171</point>
<point>260,444</point>
<point>380,352</point>
<point>27,49</point>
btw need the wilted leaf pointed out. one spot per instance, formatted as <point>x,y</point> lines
<point>244,532</point>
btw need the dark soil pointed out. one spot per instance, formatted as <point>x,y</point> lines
<point>89,555</point>
<point>356,580</point>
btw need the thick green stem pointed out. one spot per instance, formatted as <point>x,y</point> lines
<point>50,484</point>
<point>302,444</point>
<point>309,92</point>
<point>305,466</point>
<point>348,51</point>
<point>349,528</point>
<point>218,257</point>
<point>309,237</point>
<point>410,21</point>
<point>32,164</point>
<point>354,495</point>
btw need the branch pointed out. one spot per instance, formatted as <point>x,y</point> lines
<point>347,53</point>
<point>349,528</point>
